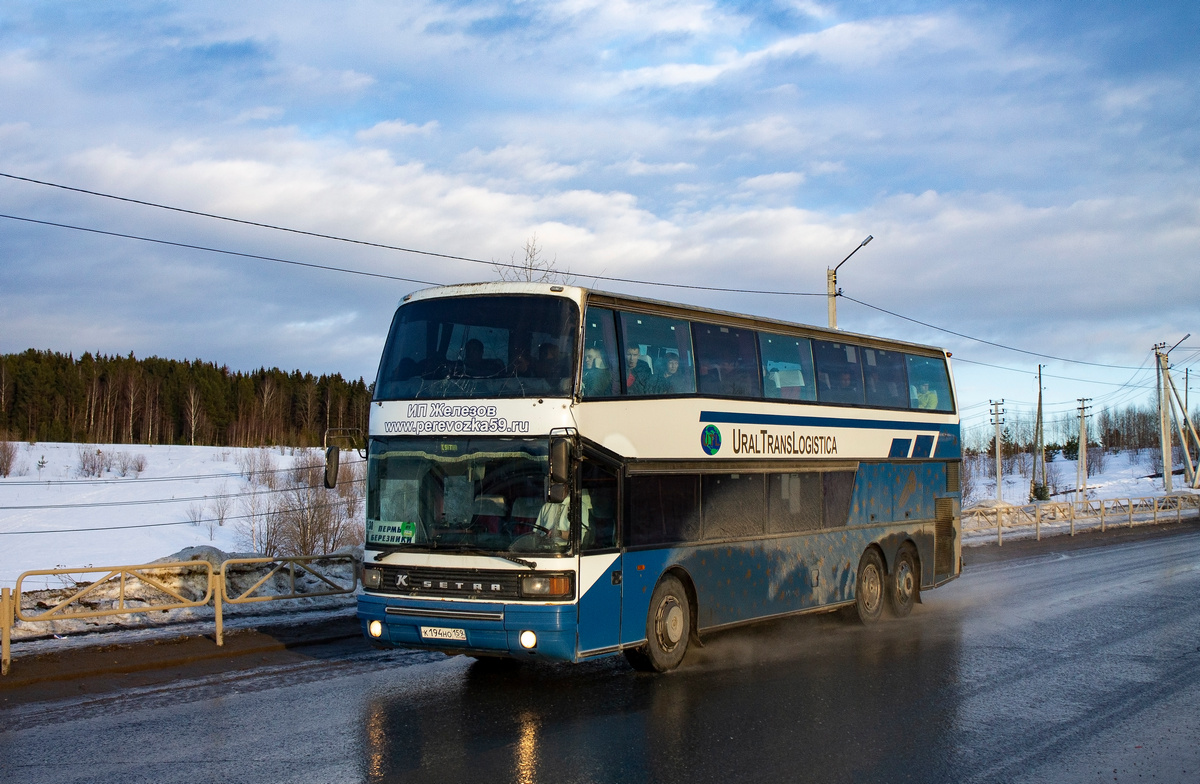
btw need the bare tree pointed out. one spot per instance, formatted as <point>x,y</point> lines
<point>193,413</point>
<point>532,266</point>
<point>8,456</point>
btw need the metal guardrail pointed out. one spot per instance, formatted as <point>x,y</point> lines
<point>143,589</point>
<point>251,594</point>
<point>1148,510</point>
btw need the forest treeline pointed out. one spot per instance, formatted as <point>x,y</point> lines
<point>48,396</point>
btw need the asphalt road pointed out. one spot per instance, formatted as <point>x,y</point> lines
<point>1060,661</point>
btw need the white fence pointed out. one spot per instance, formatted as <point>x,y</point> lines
<point>1060,516</point>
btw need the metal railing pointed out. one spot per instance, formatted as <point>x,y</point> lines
<point>253,592</point>
<point>126,590</point>
<point>1106,512</point>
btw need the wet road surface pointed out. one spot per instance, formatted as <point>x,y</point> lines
<point>1064,661</point>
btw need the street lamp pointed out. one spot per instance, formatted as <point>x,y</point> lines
<point>831,284</point>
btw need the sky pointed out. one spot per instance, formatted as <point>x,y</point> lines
<point>1028,172</point>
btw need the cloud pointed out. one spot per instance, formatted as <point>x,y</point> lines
<point>773,182</point>
<point>636,168</point>
<point>391,129</point>
<point>516,162</point>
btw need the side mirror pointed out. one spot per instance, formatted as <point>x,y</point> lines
<point>560,461</point>
<point>560,470</point>
<point>332,456</point>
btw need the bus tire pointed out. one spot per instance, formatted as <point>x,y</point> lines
<point>869,588</point>
<point>668,625</point>
<point>904,583</point>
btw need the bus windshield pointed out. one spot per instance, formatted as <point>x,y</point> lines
<point>463,494</point>
<point>501,346</point>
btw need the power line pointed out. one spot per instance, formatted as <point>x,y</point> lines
<point>155,501</point>
<point>494,264</point>
<point>190,246</point>
<point>132,479</point>
<point>986,342</point>
<point>365,243</point>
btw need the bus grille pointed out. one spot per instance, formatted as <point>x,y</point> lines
<point>494,584</point>
<point>943,554</point>
<point>952,476</point>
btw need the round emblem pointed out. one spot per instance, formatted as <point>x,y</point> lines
<point>710,439</point>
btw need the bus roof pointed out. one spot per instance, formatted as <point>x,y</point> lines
<point>581,296</point>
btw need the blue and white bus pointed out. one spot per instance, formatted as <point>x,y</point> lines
<point>561,473</point>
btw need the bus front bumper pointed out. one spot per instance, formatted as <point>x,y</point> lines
<point>470,627</point>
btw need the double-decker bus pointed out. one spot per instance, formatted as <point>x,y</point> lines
<point>560,473</point>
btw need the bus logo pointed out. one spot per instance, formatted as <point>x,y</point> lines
<point>710,439</point>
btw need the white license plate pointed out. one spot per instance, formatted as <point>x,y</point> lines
<point>440,633</point>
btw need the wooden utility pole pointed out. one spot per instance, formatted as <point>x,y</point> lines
<point>1081,463</point>
<point>1164,425</point>
<point>1038,490</point>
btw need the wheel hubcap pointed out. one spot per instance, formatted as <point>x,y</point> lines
<point>670,623</point>
<point>871,588</point>
<point>904,582</point>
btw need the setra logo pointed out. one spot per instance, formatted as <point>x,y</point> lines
<point>710,439</point>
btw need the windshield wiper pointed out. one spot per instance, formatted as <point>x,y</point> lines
<point>505,556</point>
<point>389,549</point>
<point>433,545</point>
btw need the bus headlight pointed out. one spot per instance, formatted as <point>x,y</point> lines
<point>528,639</point>
<point>547,586</point>
<point>372,578</point>
<point>375,629</point>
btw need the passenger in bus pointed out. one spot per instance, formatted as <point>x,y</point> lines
<point>926,397</point>
<point>671,382</point>
<point>597,378</point>
<point>549,364</point>
<point>639,379</point>
<point>474,364</point>
<point>736,381</point>
<point>520,363</point>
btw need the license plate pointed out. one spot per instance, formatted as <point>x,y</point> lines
<point>441,633</point>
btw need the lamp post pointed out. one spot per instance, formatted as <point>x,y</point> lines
<point>831,284</point>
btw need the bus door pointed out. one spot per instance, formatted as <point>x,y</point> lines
<point>600,575</point>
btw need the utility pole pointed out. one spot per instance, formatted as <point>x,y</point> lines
<point>998,420</point>
<point>831,289</point>
<point>1164,426</point>
<point>1038,491</point>
<point>1182,420</point>
<point>1081,463</point>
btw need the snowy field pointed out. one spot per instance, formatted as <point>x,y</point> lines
<point>53,515</point>
<point>1123,475</point>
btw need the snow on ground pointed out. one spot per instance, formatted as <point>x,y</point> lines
<point>51,516</point>
<point>1124,475</point>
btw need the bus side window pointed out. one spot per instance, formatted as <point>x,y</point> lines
<point>728,361</point>
<point>794,502</point>
<point>837,488</point>
<point>839,373</point>
<point>598,506</point>
<point>884,378</point>
<point>598,377</point>
<point>664,355</point>
<point>663,509</point>
<point>733,505</point>
<point>787,367</point>
<point>929,384</point>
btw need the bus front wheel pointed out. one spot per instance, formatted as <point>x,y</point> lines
<point>868,593</point>
<point>668,626</point>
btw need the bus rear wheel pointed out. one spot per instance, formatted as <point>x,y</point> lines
<point>668,626</point>
<point>868,593</point>
<point>904,582</point>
